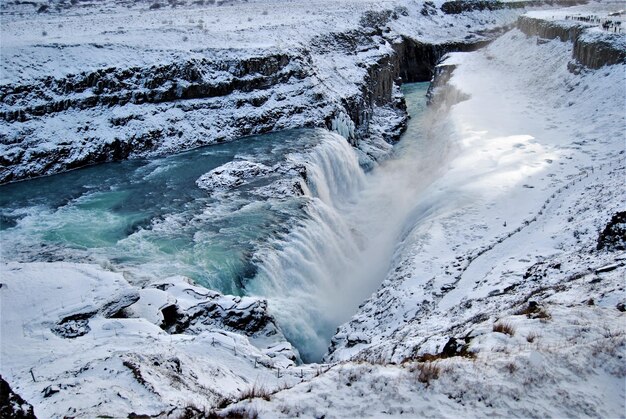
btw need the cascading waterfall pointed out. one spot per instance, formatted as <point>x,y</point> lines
<point>316,276</point>
<point>232,218</point>
<point>307,268</point>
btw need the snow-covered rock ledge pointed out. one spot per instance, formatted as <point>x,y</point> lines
<point>73,329</point>
<point>593,47</point>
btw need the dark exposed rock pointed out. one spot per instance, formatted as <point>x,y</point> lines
<point>113,308</point>
<point>464,6</point>
<point>417,60</point>
<point>173,320</point>
<point>596,53</point>
<point>246,315</point>
<point>354,339</point>
<point>12,405</point>
<point>461,6</point>
<point>73,326</point>
<point>50,390</point>
<point>450,348</point>
<point>613,237</point>
<point>590,51</point>
<point>549,30</point>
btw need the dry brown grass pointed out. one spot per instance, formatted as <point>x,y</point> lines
<point>503,327</point>
<point>425,372</point>
<point>533,311</point>
<point>255,392</point>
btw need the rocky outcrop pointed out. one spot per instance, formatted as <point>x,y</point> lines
<point>598,50</point>
<point>613,237</point>
<point>193,79</point>
<point>77,324</point>
<point>417,60</point>
<point>462,6</point>
<point>550,29</point>
<point>12,405</point>
<point>591,49</point>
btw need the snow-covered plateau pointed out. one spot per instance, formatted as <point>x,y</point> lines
<point>316,267</point>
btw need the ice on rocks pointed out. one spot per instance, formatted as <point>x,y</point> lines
<point>232,174</point>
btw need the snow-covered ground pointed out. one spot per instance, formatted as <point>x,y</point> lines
<point>505,234</point>
<point>69,352</point>
<point>538,173</point>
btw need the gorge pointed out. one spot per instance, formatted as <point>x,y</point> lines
<point>412,210</point>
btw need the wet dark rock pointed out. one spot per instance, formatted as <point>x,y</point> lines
<point>613,237</point>
<point>73,326</point>
<point>50,390</point>
<point>12,405</point>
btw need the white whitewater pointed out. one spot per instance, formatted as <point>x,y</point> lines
<point>331,262</point>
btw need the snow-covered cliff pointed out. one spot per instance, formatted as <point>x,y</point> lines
<point>105,81</point>
<point>505,292</point>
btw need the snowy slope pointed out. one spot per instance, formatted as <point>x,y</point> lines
<point>505,233</point>
<point>552,130</point>
<point>507,237</point>
<point>66,338</point>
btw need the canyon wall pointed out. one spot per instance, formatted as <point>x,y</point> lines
<point>54,124</point>
<point>592,48</point>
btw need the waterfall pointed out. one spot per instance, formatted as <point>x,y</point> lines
<point>343,125</point>
<point>301,273</point>
<point>317,275</point>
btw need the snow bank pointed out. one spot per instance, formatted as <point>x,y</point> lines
<point>124,363</point>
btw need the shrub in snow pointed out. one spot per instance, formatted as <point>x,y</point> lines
<point>254,392</point>
<point>425,372</point>
<point>505,328</point>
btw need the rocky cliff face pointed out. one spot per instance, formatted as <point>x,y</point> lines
<point>53,124</point>
<point>417,60</point>
<point>116,113</point>
<point>591,49</point>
